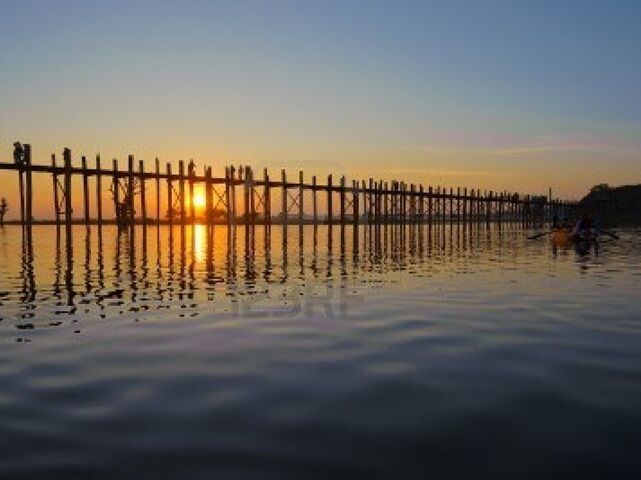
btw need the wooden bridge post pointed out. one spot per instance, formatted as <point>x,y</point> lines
<point>489,207</point>
<point>130,189</point>
<point>115,186</point>
<point>85,188</point>
<point>314,200</point>
<point>412,206</point>
<point>435,195</point>
<point>143,194</point>
<point>28,184</point>
<point>170,195</point>
<point>252,197</point>
<point>66,155</point>
<point>342,200</point>
<point>365,199</point>
<point>192,208</point>
<point>378,198</point>
<point>430,204</point>
<point>386,202</point>
<point>232,185</point>
<point>465,204</point>
<point>301,195</point>
<point>267,198</point>
<point>404,201</point>
<point>355,206</point>
<point>246,195</point>
<point>56,199</point>
<point>399,201</point>
<point>228,195</point>
<point>412,203</point>
<point>391,201</point>
<point>157,165</point>
<point>181,191</point>
<point>329,200</point>
<point>98,190</point>
<point>284,202</point>
<point>209,213</point>
<point>21,169</point>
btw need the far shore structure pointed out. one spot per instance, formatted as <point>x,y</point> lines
<point>336,201</point>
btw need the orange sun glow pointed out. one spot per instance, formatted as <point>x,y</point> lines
<point>199,200</point>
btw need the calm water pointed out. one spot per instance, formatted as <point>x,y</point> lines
<point>462,352</point>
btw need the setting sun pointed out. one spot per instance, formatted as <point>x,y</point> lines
<point>199,199</point>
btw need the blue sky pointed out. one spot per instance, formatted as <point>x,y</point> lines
<point>515,94</point>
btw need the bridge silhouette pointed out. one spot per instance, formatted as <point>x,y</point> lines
<point>241,197</point>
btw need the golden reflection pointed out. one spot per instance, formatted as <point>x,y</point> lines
<point>199,242</point>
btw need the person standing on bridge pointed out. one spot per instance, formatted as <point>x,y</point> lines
<point>18,153</point>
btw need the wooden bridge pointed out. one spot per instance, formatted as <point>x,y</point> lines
<point>358,202</point>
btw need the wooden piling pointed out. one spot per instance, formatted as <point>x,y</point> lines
<point>85,188</point>
<point>267,200</point>
<point>342,200</point>
<point>301,194</point>
<point>98,191</point>
<point>21,170</point>
<point>170,199</point>
<point>209,213</point>
<point>314,200</point>
<point>115,194</point>
<point>130,190</point>
<point>228,194</point>
<point>329,200</point>
<point>284,202</point>
<point>181,191</point>
<point>192,206</point>
<point>252,197</point>
<point>246,196</point>
<point>355,206</point>
<point>232,190</point>
<point>68,209</point>
<point>157,165</point>
<point>143,194</point>
<point>465,202</point>
<point>56,199</point>
<point>28,184</point>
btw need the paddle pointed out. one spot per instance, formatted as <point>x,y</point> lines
<point>613,235</point>
<point>538,235</point>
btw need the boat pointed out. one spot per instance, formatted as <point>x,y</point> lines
<point>561,236</point>
<point>567,236</point>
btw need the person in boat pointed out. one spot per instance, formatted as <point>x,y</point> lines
<point>583,228</point>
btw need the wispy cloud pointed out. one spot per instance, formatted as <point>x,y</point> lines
<point>494,144</point>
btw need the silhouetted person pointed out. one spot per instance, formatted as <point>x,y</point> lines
<point>4,207</point>
<point>583,227</point>
<point>18,153</point>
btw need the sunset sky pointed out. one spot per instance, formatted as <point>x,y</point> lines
<point>504,95</point>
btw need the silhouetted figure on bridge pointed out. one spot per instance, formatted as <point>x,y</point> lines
<point>18,153</point>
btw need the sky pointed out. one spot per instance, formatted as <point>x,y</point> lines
<point>515,95</point>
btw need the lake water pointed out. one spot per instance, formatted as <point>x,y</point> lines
<point>398,352</point>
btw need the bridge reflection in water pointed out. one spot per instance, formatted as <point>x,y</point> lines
<point>101,272</point>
